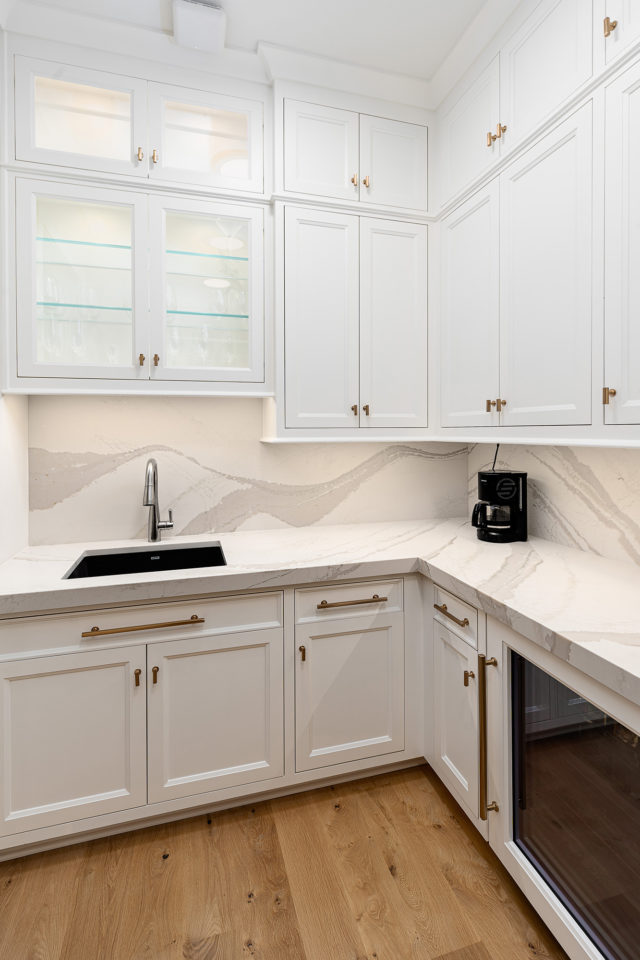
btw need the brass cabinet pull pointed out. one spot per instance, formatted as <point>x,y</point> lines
<point>140,154</point>
<point>97,632</point>
<point>156,359</point>
<point>500,404</point>
<point>155,156</point>
<point>490,138</point>
<point>500,129</point>
<point>468,675</point>
<point>303,653</point>
<point>354,179</point>
<point>609,26</point>
<point>442,608</point>
<point>355,409</point>
<point>326,604</point>
<point>366,181</point>
<point>366,409</point>
<point>607,393</point>
<point>483,663</point>
<point>490,403</point>
<point>155,671</point>
<point>136,674</point>
<point>141,359</point>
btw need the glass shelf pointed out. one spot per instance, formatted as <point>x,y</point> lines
<point>208,256</point>
<point>197,313</point>
<point>85,243</point>
<point>80,306</point>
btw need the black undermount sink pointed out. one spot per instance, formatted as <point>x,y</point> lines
<point>109,564</point>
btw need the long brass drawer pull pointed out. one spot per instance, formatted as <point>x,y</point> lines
<point>325,604</point>
<point>483,663</point>
<point>97,632</point>
<point>442,608</point>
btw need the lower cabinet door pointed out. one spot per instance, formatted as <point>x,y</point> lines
<point>455,687</point>
<point>215,712</point>
<point>73,740</point>
<point>349,690</point>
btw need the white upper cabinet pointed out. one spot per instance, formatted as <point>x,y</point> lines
<point>90,120</point>
<point>338,154</point>
<point>621,27</point>
<point>543,63</point>
<point>470,311</point>
<point>622,247</point>
<point>546,275</point>
<point>321,319</point>
<point>199,138</point>
<point>468,132</point>
<point>320,150</point>
<point>393,324</point>
<point>393,163</point>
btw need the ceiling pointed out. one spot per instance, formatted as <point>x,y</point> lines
<point>409,37</point>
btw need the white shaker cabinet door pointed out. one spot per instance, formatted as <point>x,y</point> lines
<point>73,737</point>
<point>393,163</point>
<point>545,279</point>
<point>622,247</point>
<point>321,319</point>
<point>543,63</point>
<point>349,689</point>
<point>626,16</point>
<point>215,708</point>
<point>456,731</point>
<point>393,324</point>
<point>470,311</point>
<point>320,150</point>
<point>465,152</point>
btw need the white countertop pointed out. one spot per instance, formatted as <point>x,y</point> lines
<point>583,608</point>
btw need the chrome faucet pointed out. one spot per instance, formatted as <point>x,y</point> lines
<point>150,499</point>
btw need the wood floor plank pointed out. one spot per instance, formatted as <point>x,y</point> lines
<point>386,868</point>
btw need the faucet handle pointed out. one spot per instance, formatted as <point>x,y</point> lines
<point>170,516</point>
<point>166,524</point>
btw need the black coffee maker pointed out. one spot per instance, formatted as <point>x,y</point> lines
<point>501,512</point>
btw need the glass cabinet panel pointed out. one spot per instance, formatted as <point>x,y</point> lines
<point>212,291</point>
<point>76,293</point>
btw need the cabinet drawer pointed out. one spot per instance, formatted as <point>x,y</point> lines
<point>458,616</point>
<point>144,624</point>
<point>348,600</point>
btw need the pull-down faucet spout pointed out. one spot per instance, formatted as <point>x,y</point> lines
<point>150,499</point>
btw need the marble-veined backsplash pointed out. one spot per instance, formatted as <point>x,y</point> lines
<point>87,457</point>
<point>585,497</point>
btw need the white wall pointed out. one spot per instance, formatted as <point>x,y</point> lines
<point>87,460</point>
<point>586,497</point>
<point>14,475</point>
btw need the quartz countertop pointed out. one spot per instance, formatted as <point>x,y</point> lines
<point>581,607</point>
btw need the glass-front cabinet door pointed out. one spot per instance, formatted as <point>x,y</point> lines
<point>207,303</point>
<point>81,286</point>
<point>73,117</point>
<point>205,138</point>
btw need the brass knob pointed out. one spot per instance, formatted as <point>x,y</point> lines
<point>140,154</point>
<point>609,26</point>
<point>303,653</point>
<point>354,179</point>
<point>136,674</point>
<point>141,359</point>
<point>355,409</point>
<point>607,393</point>
<point>366,181</point>
<point>490,138</point>
<point>493,806</point>
<point>155,671</point>
<point>468,675</point>
<point>156,359</point>
<point>366,409</point>
<point>155,156</point>
<point>500,129</point>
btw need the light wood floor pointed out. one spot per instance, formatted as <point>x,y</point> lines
<point>386,868</point>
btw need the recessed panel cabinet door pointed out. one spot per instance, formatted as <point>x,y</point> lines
<point>393,163</point>
<point>456,747</point>
<point>320,150</point>
<point>543,63</point>
<point>393,324</point>
<point>321,319</point>
<point>73,737</point>
<point>470,311</point>
<point>215,709</point>
<point>626,14</point>
<point>464,152</point>
<point>349,690</point>
<point>546,276</point>
<point>622,247</point>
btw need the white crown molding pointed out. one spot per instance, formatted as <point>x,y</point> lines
<point>285,64</point>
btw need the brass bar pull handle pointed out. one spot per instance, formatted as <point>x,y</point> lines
<point>326,604</point>
<point>491,137</point>
<point>155,156</point>
<point>97,632</point>
<point>354,179</point>
<point>500,404</point>
<point>468,675</point>
<point>303,653</point>
<point>490,403</point>
<point>366,181</point>
<point>155,671</point>
<point>156,359</point>
<point>483,663</point>
<point>366,409</point>
<point>140,155</point>
<point>609,26</point>
<point>607,393</point>
<point>136,674</point>
<point>141,359</point>
<point>500,129</point>
<point>442,608</point>
<point>354,409</point>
